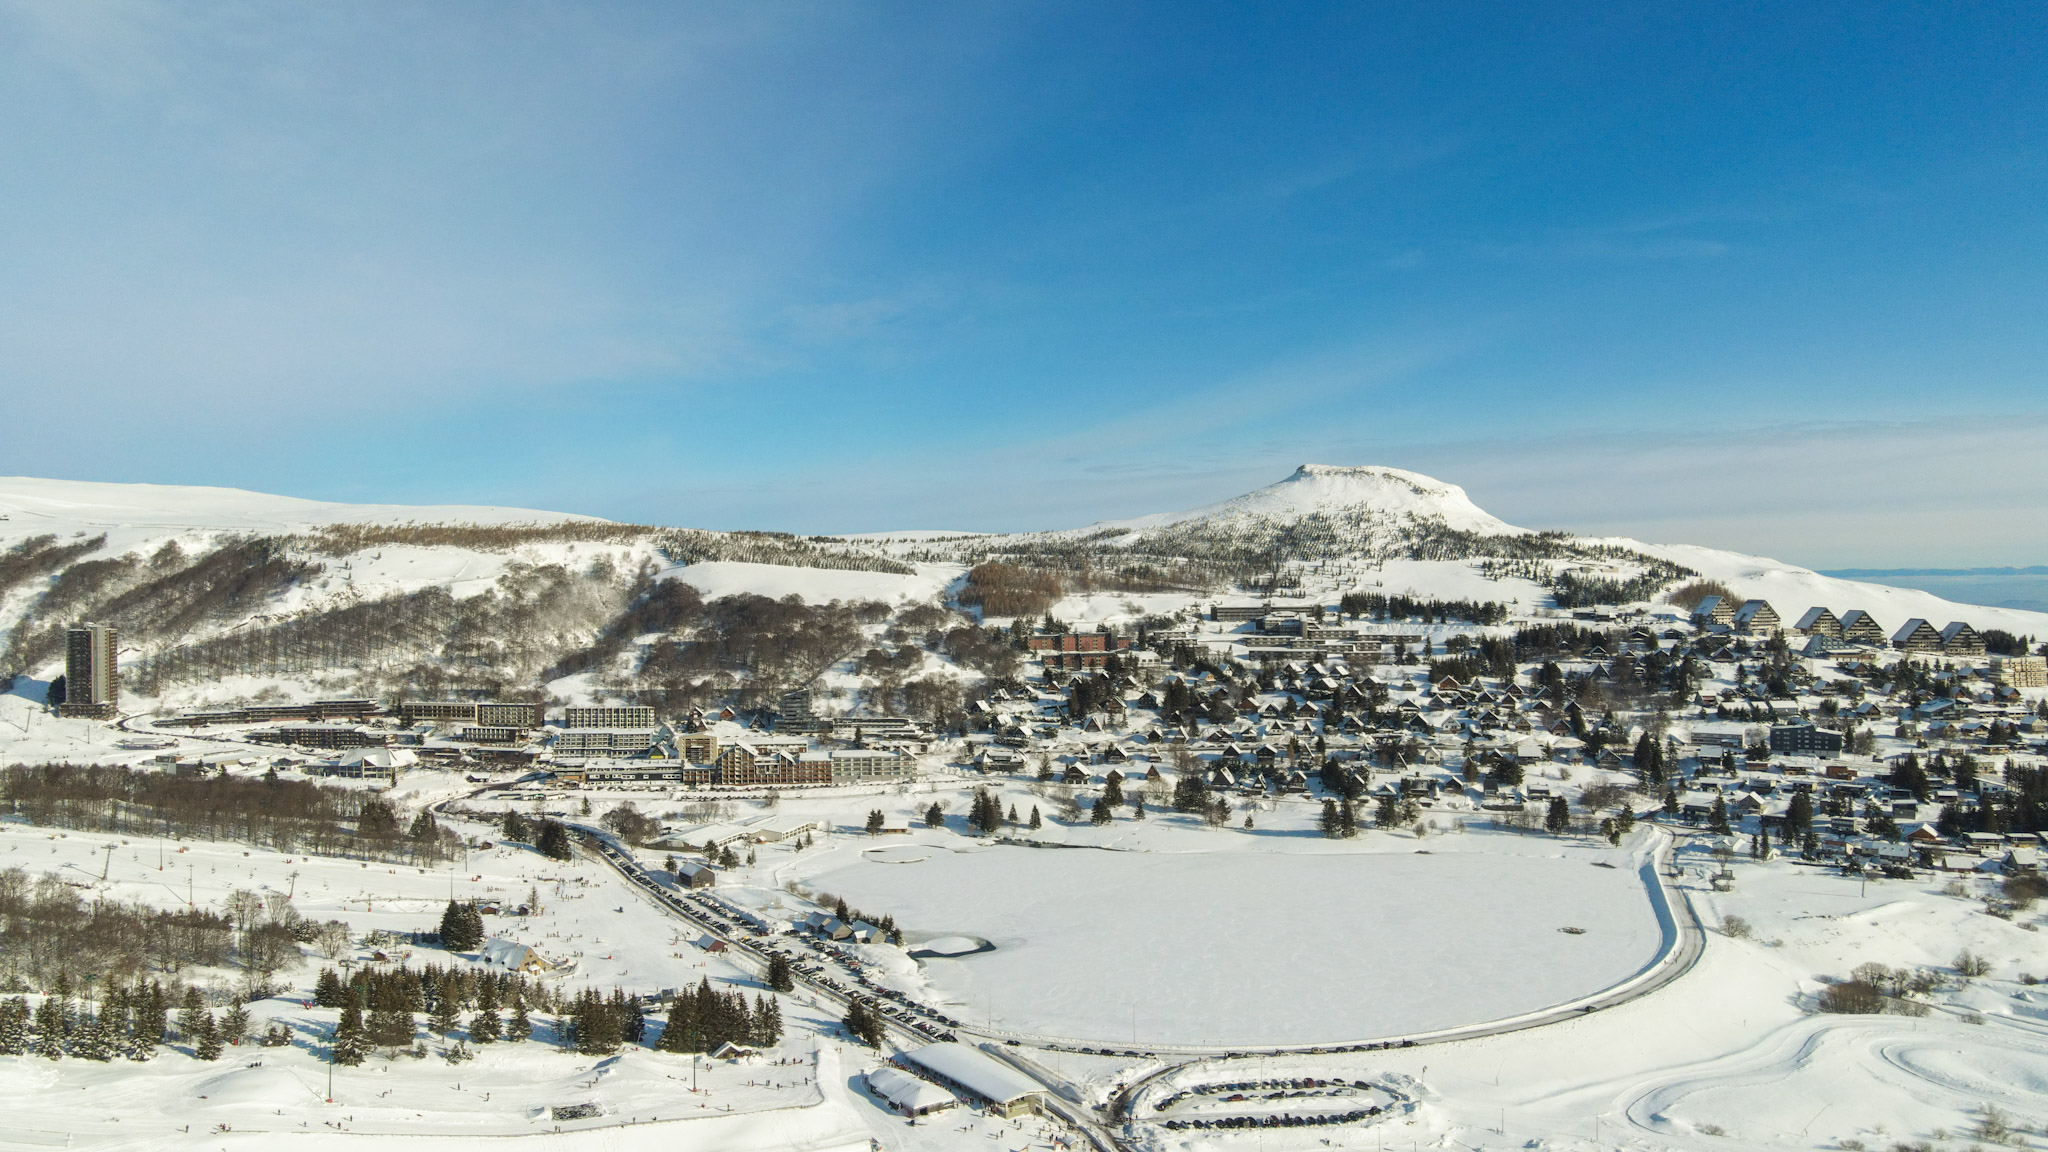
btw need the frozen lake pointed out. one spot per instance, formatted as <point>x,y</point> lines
<point>1267,947</point>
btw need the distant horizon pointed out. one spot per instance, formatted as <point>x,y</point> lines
<point>1945,581</point>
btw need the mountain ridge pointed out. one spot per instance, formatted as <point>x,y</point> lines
<point>394,596</point>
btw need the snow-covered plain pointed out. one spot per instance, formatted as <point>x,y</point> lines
<point>1275,947</point>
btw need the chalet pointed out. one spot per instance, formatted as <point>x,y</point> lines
<point>512,956</point>
<point>1917,637</point>
<point>1713,610</point>
<point>1859,627</point>
<point>1757,617</point>
<point>1959,639</point>
<point>1819,622</point>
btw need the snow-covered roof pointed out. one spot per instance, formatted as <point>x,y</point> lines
<point>907,1092</point>
<point>974,1070</point>
<point>387,758</point>
<point>511,954</point>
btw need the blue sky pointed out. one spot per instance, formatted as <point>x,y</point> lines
<point>1764,277</point>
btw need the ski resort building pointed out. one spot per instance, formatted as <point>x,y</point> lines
<point>1916,637</point>
<point>630,716</point>
<point>1757,616</point>
<point>1959,639</point>
<point>1819,622</point>
<point>1859,627</point>
<point>606,741</point>
<point>870,765</point>
<point>978,1076</point>
<point>907,1094</point>
<point>92,675</point>
<point>516,714</point>
<point>1713,610</point>
<point>1805,740</point>
<point>2020,671</point>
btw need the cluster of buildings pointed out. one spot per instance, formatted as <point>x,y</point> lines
<point>1828,634</point>
<point>1260,722</point>
<point>615,746</point>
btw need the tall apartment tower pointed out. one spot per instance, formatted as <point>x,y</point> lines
<point>92,678</point>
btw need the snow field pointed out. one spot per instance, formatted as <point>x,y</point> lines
<point>590,918</point>
<point>1239,947</point>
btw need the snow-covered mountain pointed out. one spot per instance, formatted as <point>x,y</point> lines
<point>1386,494</point>
<point>201,579</point>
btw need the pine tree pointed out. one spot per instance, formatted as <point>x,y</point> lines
<point>390,1024</point>
<point>766,1027</point>
<point>780,978</point>
<point>515,828</point>
<point>597,1027</point>
<point>424,830</point>
<point>632,1022</point>
<point>95,1037</point>
<point>1100,811</point>
<point>1719,820</point>
<point>351,1040</point>
<point>1347,818</point>
<point>864,1024</point>
<point>1327,822</point>
<point>49,1028</point>
<point>327,991</point>
<point>521,1025</point>
<point>1012,818</point>
<point>1388,814</point>
<point>150,1011</point>
<point>934,816</point>
<point>234,1024</point>
<point>447,1013</point>
<point>462,927</point>
<point>190,1012</point>
<point>14,1017</point>
<point>485,1027</point>
<point>208,1046</point>
<point>1113,788</point>
<point>1037,821</point>
<point>554,841</point>
<point>875,821</point>
<point>1798,814</point>
<point>1559,817</point>
<point>679,1033</point>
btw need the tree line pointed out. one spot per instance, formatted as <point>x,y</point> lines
<point>285,815</point>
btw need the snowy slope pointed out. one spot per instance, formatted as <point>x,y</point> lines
<point>1790,586</point>
<point>133,513</point>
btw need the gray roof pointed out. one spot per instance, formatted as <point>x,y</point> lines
<point>1813,617</point>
